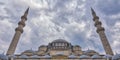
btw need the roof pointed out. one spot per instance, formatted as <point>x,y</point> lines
<point>35,56</point>
<point>29,51</point>
<point>59,40</point>
<point>43,46</point>
<point>13,56</point>
<point>47,56</point>
<point>107,56</point>
<point>96,56</point>
<point>72,56</point>
<point>60,53</point>
<point>3,57</point>
<point>116,57</point>
<point>23,56</point>
<point>90,51</point>
<point>84,56</point>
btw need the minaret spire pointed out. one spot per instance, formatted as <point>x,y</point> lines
<point>18,32</point>
<point>26,12</point>
<point>93,12</point>
<point>100,30</point>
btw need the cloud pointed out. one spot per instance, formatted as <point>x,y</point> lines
<point>109,8</point>
<point>49,20</point>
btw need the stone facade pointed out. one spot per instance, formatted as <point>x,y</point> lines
<point>59,50</point>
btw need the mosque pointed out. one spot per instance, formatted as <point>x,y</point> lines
<point>60,49</point>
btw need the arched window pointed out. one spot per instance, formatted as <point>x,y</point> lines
<point>62,44</point>
<point>56,44</point>
<point>65,44</point>
<point>52,44</point>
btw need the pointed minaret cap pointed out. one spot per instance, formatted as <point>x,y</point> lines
<point>26,12</point>
<point>93,12</point>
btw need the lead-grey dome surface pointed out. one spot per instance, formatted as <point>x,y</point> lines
<point>60,40</point>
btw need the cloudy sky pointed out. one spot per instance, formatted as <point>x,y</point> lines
<point>49,20</point>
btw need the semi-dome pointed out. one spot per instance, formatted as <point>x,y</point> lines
<point>3,57</point>
<point>29,51</point>
<point>90,52</point>
<point>116,57</point>
<point>59,40</point>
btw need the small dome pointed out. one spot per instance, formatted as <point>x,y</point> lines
<point>12,56</point>
<point>60,40</point>
<point>3,57</point>
<point>89,51</point>
<point>23,56</point>
<point>116,57</point>
<point>107,56</point>
<point>35,56</point>
<point>96,56</point>
<point>77,46</point>
<point>43,46</point>
<point>84,56</point>
<point>72,56</point>
<point>29,51</point>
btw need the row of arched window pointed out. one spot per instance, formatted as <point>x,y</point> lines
<point>60,47</point>
<point>60,44</point>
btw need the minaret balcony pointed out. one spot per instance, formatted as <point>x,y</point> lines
<point>21,23</point>
<point>23,17</point>
<point>100,29</point>
<point>19,29</point>
<point>96,17</point>
<point>97,23</point>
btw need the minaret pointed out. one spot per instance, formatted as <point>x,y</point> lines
<point>100,30</point>
<point>18,32</point>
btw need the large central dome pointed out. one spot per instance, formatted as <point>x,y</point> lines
<point>59,41</point>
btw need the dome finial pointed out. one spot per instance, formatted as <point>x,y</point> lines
<point>88,48</point>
